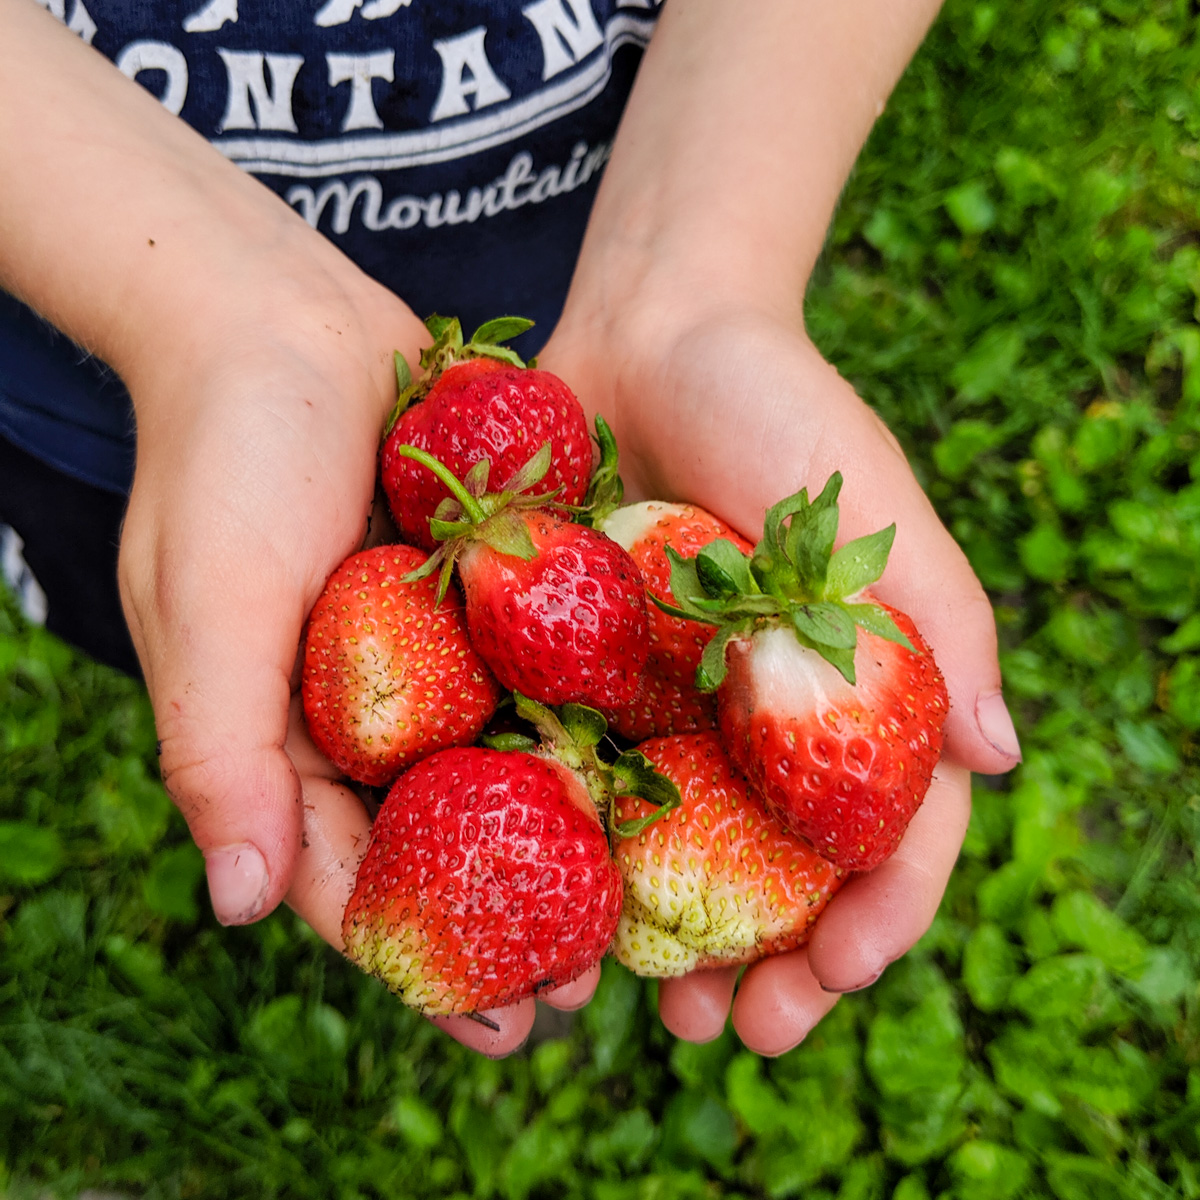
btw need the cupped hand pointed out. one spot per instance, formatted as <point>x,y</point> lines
<point>733,411</point>
<point>255,477</point>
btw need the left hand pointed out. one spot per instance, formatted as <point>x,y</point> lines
<point>733,410</point>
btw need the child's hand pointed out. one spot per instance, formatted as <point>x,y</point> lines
<point>734,412</point>
<point>254,481</point>
<point>259,359</point>
<point>684,327</point>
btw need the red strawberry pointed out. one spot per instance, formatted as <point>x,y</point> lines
<point>646,530</point>
<point>829,701</point>
<point>479,401</point>
<point>669,701</point>
<point>566,626</point>
<point>717,880</point>
<point>389,672</point>
<point>847,765</point>
<point>557,610</point>
<point>487,879</point>
<point>663,707</point>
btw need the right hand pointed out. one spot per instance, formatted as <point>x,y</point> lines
<point>255,478</point>
<point>259,359</point>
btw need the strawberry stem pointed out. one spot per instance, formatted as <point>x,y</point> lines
<point>470,505</point>
<point>480,1019</point>
<point>606,489</point>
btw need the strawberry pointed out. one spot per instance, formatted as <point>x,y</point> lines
<point>566,626</point>
<point>718,880</point>
<point>389,672</point>
<point>557,610</point>
<point>845,764</point>
<point>828,700</point>
<point>646,530</point>
<point>477,401</point>
<point>668,701</point>
<point>662,706</point>
<point>487,878</point>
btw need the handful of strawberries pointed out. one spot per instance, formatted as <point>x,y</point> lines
<point>604,727</point>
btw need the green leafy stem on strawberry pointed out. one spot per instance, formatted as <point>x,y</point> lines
<point>472,513</point>
<point>449,348</point>
<point>793,577</point>
<point>572,734</point>
<point>606,490</point>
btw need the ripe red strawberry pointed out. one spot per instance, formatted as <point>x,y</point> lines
<point>566,626</point>
<point>646,530</point>
<point>829,701</point>
<point>845,765</point>
<point>557,610</point>
<point>478,401</point>
<point>389,672</point>
<point>663,707</point>
<point>717,880</point>
<point>668,701</point>
<point>487,879</point>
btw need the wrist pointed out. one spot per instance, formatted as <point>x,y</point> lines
<point>145,245</point>
<point>651,266</point>
<point>625,321</point>
<point>286,295</point>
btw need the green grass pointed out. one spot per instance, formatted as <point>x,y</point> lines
<point>1013,281</point>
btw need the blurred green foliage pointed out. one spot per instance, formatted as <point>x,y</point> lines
<point>1013,281</point>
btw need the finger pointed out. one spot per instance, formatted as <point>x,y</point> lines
<point>512,1026</point>
<point>778,1003</point>
<point>217,644</point>
<point>879,916</point>
<point>575,994</point>
<point>336,832</point>
<point>695,1007</point>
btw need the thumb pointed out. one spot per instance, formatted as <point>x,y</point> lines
<point>217,644</point>
<point>929,577</point>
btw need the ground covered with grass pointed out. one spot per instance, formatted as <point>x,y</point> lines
<point>1013,281</point>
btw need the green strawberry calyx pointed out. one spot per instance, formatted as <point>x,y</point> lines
<point>473,514</point>
<point>793,578</point>
<point>448,348</point>
<point>572,734</point>
<point>606,489</point>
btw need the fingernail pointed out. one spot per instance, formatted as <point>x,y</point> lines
<point>996,725</point>
<point>237,882</point>
<point>858,987</point>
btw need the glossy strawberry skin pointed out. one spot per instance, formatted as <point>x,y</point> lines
<point>663,707</point>
<point>484,408</point>
<point>717,880</point>
<point>668,701</point>
<point>486,880</point>
<point>568,625</point>
<point>845,766</point>
<point>389,674</point>
<point>645,530</point>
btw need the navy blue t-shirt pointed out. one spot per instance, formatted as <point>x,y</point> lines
<point>451,148</point>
